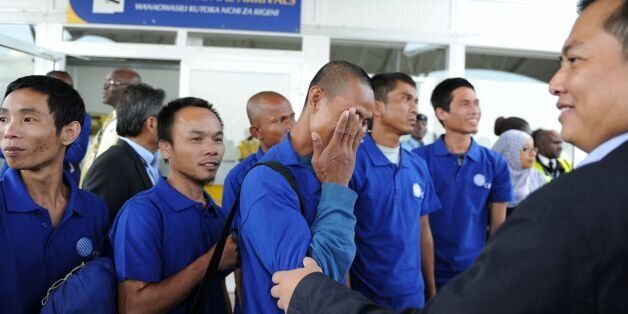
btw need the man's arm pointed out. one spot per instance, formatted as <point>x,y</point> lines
<point>333,231</point>
<point>498,215</point>
<point>306,290</point>
<point>136,296</point>
<point>427,258</point>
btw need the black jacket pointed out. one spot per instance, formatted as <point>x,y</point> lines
<point>116,176</point>
<point>565,250</point>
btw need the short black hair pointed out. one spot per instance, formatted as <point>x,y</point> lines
<point>64,102</point>
<point>331,78</point>
<point>443,92</point>
<point>616,23</point>
<point>165,119</point>
<point>136,104</point>
<point>511,123</point>
<point>384,83</point>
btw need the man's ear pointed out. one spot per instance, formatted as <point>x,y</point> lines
<point>70,132</point>
<point>378,109</point>
<point>165,148</point>
<point>441,114</point>
<point>315,96</point>
<point>254,131</point>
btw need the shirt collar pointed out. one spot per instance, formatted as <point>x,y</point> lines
<point>441,149</point>
<point>284,152</point>
<point>149,158</point>
<point>604,149</point>
<point>260,153</point>
<point>377,157</point>
<point>175,200</point>
<point>543,160</point>
<point>18,199</point>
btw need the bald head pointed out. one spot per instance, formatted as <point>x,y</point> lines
<point>61,75</point>
<point>261,102</point>
<point>271,117</point>
<point>549,143</point>
<point>115,82</point>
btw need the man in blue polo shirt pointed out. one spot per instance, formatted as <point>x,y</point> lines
<point>471,181</point>
<point>320,153</point>
<point>395,195</point>
<point>163,238</point>
<point>47,225</point>
<point>271,117</point>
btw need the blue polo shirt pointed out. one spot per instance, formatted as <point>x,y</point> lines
<point>39,255</point>
<point>159,232</point>
<point>275,236</point>
<point>465,192</point>
<point>391,200</point>
<point>233,181</point>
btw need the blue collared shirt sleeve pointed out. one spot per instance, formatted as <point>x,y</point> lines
<point>136,238</point>
<point>76,152</point>
<point>271,224</point>
<point>230,189</point>
<point>501,188</point>
<point>333,231</point>
<point>431,203</point>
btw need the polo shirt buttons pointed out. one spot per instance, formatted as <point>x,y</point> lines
<point>44,224</point>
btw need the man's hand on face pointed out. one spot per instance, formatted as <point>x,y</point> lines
<point>230,256</point>
<point>335,162</point>
<point>286,281</point>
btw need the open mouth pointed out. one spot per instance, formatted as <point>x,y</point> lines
<point>210,165</point>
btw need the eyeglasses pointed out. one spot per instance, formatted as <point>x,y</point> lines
<point>530,149</point>
<point>113,83</point>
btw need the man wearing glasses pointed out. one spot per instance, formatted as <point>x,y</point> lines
<point>115,82</point>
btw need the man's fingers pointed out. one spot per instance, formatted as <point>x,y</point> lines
<point>358,138</point>
<point>355,128</point>
<point>317,145</point>
<point>274,291</point>
<point>278,277</point>
<point>341,129</point>
<point>309,262</point>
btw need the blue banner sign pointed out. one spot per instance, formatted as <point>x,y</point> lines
<point>255,15</point>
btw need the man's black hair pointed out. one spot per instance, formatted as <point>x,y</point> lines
<point>165,119</point>
<point>64,102</point>
<point>443,92</point>
<point>331,78</point>
<point>384,83</point>
<point>136,104</point>
<point>616,23</point>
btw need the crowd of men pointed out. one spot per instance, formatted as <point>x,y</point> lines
<point>369,223</point>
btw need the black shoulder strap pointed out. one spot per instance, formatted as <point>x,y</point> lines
<point>202,294</point>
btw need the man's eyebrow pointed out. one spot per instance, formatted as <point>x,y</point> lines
<point>570,46</point>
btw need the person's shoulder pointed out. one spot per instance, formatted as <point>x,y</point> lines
<point>91,203</point>
<point>423,150</point>
<point>238,171</point>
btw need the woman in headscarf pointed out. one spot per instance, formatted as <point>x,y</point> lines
<point>518,149</point>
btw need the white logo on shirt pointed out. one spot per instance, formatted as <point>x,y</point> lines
<point>84,247</point>
<point>480,180</point>
<point>417,191</point>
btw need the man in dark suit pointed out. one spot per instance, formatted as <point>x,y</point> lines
<point>565,249</point>
<point>130,166</point>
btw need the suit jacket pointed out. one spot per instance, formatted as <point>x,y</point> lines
<point>565,250</point>
<point>116,176</point>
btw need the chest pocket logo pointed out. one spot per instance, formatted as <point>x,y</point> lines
<point>84,247</point>
<point>417,191</point>
<point>480,181</point>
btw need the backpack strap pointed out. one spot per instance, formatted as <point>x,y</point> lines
<point>202,294</point>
